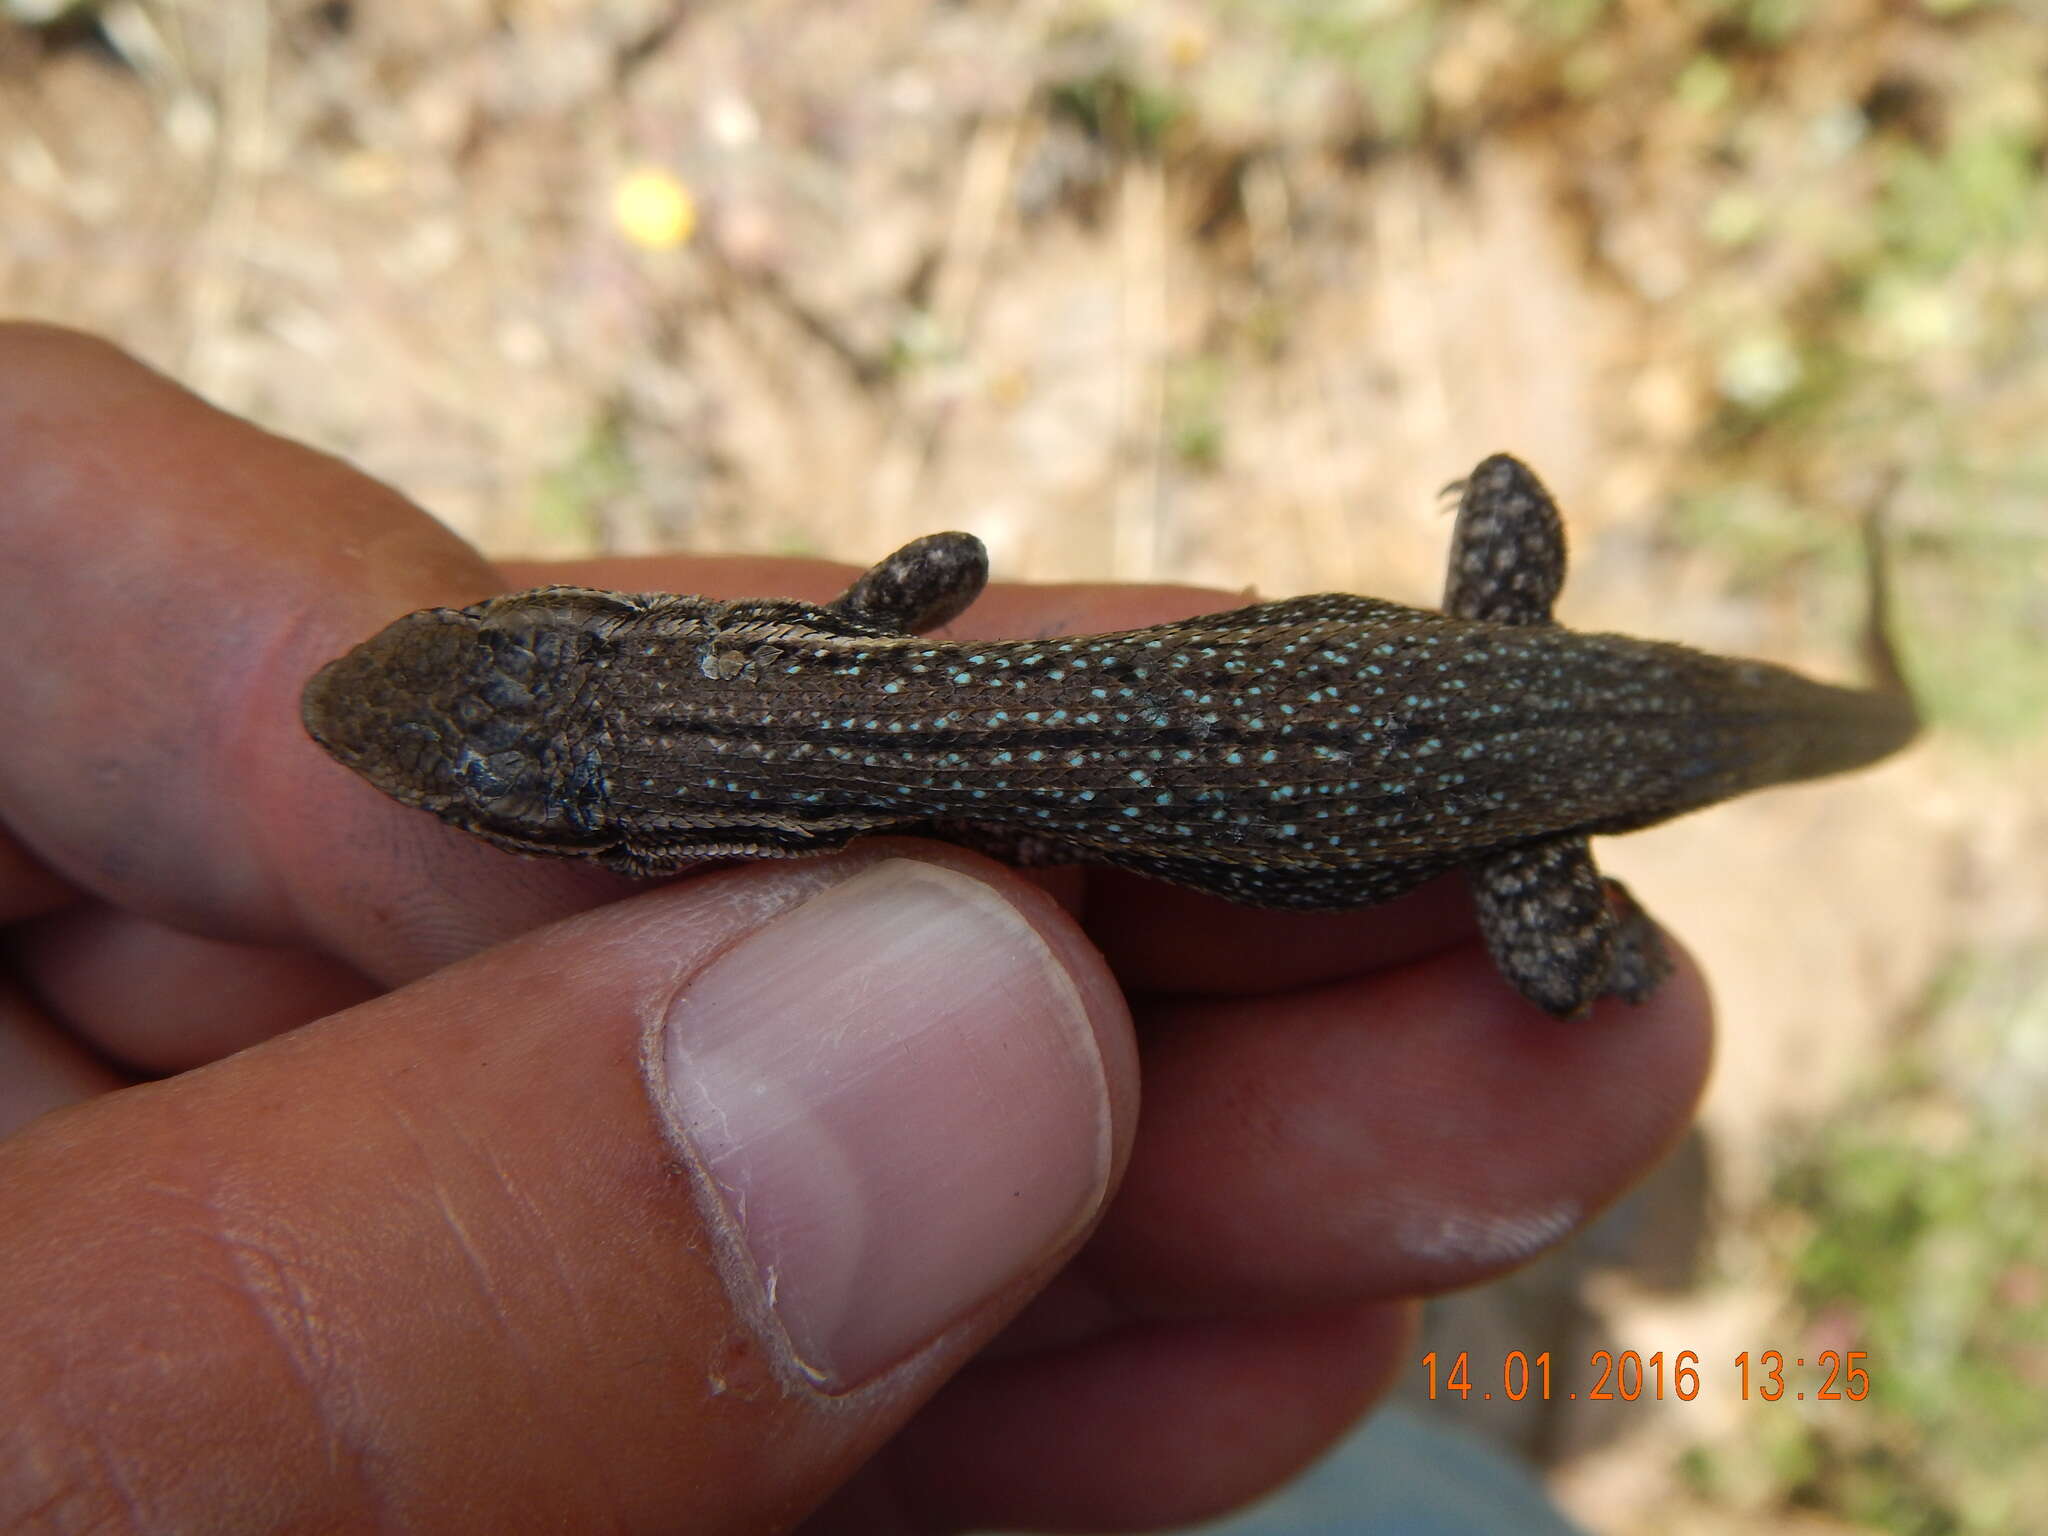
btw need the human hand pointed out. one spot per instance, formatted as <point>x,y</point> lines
<point>392,1179</point>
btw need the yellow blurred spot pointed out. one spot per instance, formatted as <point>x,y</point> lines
<point>1010,387</point>
<point>1188,44</point>
<point>654,210</point>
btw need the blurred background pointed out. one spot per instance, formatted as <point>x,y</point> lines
<point>1225,292</point>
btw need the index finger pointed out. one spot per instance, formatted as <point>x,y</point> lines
<point>177,574</point>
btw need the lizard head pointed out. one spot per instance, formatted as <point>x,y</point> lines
<point>471,713</point>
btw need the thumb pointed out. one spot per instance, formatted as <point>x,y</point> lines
<point>663,1217</point>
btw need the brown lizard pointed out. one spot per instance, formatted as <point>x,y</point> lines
<point>1318,752</point>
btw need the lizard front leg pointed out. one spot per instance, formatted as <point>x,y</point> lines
<point>927,583</point>
<point>1558,930</point>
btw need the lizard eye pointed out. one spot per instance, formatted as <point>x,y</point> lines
<point>487,778</point>
<point>510,791</point>
<point>588,794</point>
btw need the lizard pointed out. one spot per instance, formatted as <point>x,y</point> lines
<point>1320,752</point>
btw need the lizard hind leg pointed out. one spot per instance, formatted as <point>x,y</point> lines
<point>1560,932</point>
<point>1640,958</point>
<point>1507,550</point>
<point>927,583</point>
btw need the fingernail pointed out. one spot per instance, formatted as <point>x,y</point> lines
<point>898,1106</point>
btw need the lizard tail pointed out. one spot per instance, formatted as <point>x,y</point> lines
<point>1801,728</point>
<point>1881,655</point>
